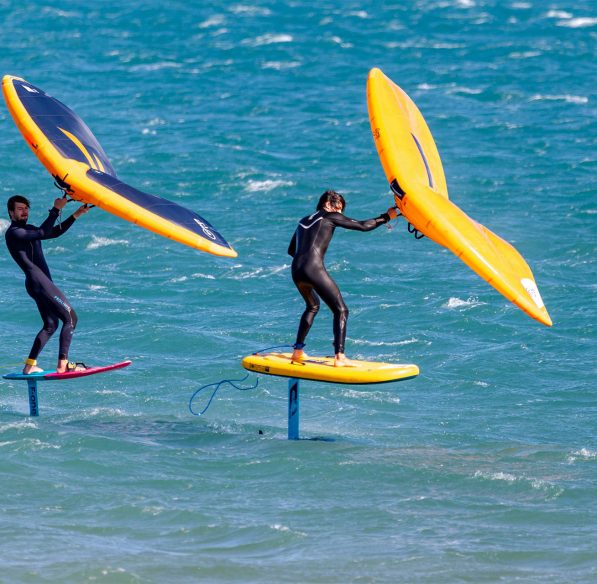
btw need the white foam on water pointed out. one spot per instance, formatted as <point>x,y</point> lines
<point>384,343</point>
<point>60,13</point>
<point>156,66</point>
<point>37,444</point>
<point>280,65</point>
<point>376,396</point>
<point>97,242</point>
<point>153,510</point>
<point>284,528</point>
<point>216,20</point>
<point>18,425</point>
<point>447,46</point>
<point>250,10</point>
<point>454,303</point>
<point>465,90</point>
<point>264,186</point>
<point>582,22</point>
<point>538,484</point>
<point>578,99</point>
<point>4,225</point>
<point>269,39</point>
<point>558,14</point>
<point>339,41</point>
<point>582,454</point>
<point>495,476</point>
<point>199,275</point>
<point>55,250</point>
<point>525,55</point>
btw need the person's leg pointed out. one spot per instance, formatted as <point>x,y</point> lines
<point>311,309</point>
<point>330,294</point>
<point>69,324</point>
<point>43,336</point>
<point>57,304</point>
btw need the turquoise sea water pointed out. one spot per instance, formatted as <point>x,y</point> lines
<point>483,469</point>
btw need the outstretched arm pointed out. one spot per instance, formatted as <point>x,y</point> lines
<point>367,225</point>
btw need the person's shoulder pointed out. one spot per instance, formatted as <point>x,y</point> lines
<point>311,216</point>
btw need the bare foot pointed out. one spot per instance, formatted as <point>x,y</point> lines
<point>64,366</point>
<point>341,361</point>
<point>28,369</point>
<point>298,355</point>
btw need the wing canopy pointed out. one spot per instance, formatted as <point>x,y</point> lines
<point>68,149</point>
<point>66,131</point>
<point>414,170</point>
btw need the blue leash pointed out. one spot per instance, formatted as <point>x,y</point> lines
<point>218,384</point>
<point>274,347</point>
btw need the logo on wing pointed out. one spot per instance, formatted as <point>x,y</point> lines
<point>206,230</point>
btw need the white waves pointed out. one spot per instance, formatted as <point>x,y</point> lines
<point>584,454</point>
<point>256,186</point>
<point>97,242</point>
<point>384,343</point>
<point>280,65</point>
<point>268,39</point>
<point>582,22</point>
<point>458,303</point>
<point>577,99</point>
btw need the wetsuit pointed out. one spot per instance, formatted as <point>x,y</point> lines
<point>307,247</point>
<point>24,244</point>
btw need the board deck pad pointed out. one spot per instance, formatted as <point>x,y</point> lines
<point>322,369</point>
<point>53,376</point>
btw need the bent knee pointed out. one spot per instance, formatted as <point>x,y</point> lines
<point>342,311</point>
<point>74,319</point>
<point>50,328</point>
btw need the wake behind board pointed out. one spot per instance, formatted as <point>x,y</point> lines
<point>53,376</point>
<point>322,369</point>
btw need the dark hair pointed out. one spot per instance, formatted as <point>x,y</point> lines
<point>331,197</point>
<point>10,204</point>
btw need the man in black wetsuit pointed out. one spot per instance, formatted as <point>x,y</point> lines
<point>24,244</point>
<point>307,248</point>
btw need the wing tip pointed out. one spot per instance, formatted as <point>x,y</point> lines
<point>375,72</point>
<point>545,319</point>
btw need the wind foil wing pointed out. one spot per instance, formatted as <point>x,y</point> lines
<point>73,156</point>
<point>414,170</point>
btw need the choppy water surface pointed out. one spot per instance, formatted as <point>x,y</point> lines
<point>480,470</point>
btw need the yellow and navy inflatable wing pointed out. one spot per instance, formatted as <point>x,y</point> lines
<point>414,170</point>
<point>73,156</point>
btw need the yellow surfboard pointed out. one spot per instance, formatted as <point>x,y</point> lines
<point>73,156</point>
<point>414,170</point>
<point>322,369</point>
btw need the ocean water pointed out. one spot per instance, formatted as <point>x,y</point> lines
<point>483,469</point>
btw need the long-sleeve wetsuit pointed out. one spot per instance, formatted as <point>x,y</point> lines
<point>24,244</point>
<point>307,247</point>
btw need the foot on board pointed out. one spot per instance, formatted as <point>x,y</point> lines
<point>73,366</point>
